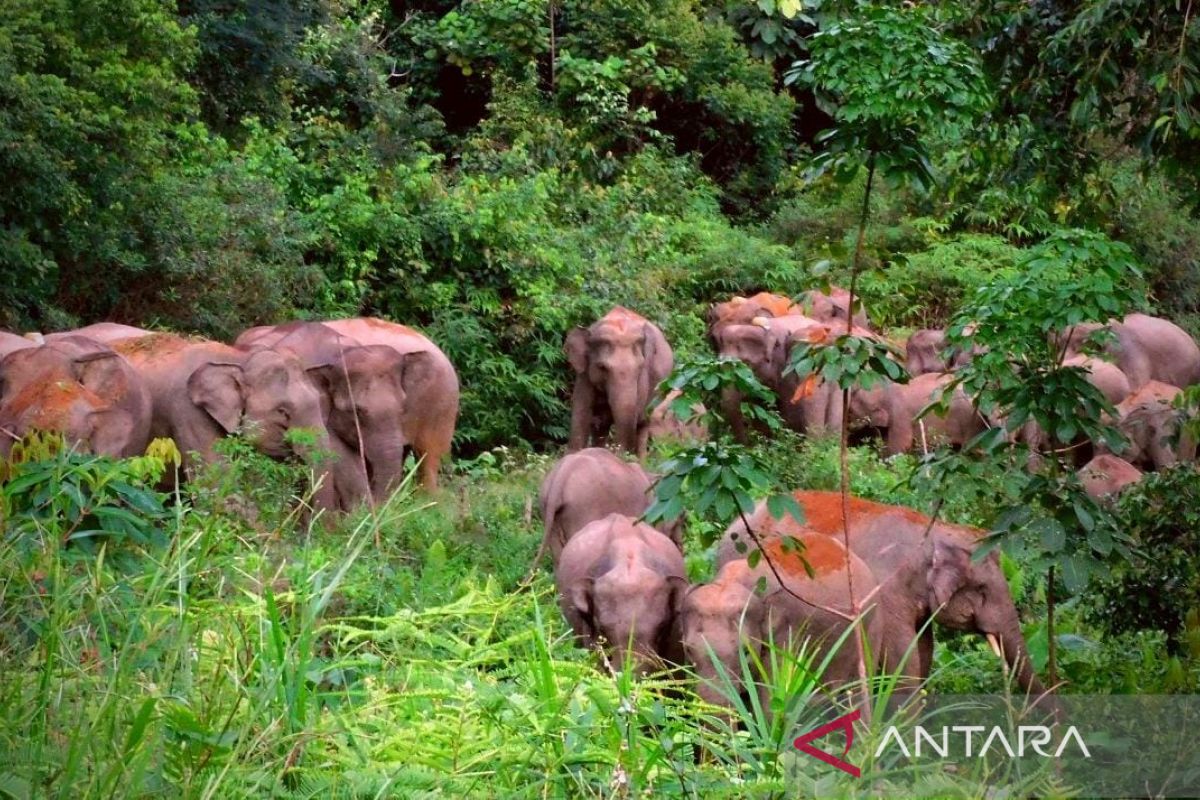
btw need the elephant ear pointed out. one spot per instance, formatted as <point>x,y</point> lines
<point>776,343</point>
<point>111,431</point>
<point>102,374</point>
<point>330,380</point>
<point>416,369</point>
<point>576,348</point>
<point>579,613</point>
<point>949,569</point>
<point>218,388</point>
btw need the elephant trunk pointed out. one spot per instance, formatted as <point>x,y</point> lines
<point>1016,654</point>
<point>628,409</point>
<point>385,460</point>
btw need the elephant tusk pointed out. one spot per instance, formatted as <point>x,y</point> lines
<point>994,642</point>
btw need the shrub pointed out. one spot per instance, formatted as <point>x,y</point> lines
<point>1162,586</point>
<point>924,289</point>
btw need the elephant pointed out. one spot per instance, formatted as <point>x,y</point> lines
<point>742,310</point>
<point>718,619</point>
<point>201,391</point>
<point>11,342</point>
<point>1151,425</point>
<point>833,306</point>
<point>1107,475</point>
<point>665,426</point>
<point>588,485</point>
<point>1145,348</point>
<point>619,361</point>
<point>763,345</point>
<point>925,569</point>
<point>905,401</point>
<point>620,582</point>
<point>369,391</point>
<point>76,387</point>
<point>105,332</point>
<point>386,387</point>
<point>1105,376</point>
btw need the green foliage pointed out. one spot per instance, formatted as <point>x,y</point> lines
<point>847,361</point>
<point>1021,380</point>
<point>1160,588</point>
<point>52,492</point>
<point>924,289</point>
<point>888,75</point>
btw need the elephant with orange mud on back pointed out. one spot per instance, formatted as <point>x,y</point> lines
<point>742,310</point>
<point>1145,348</point>
<point>105,332</point>
<point>620,583</point>
<point>833,307</point>
<point>78,388</point>
<point>824,401</point>
<point>386,388</point>
<point>721,618</point>
<point>925,570</point>
<point>762,345</point>
<point>619,361</point>
<point>203,391</point>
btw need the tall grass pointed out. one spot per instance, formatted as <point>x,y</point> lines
<point>247,660</point>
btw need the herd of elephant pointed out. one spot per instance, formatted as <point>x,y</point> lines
<point>622,584</point>
<point>368,389</point>
<point>620,360</point>
<point>371,390</point>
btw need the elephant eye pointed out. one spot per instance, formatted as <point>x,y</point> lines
<point>284,412</point>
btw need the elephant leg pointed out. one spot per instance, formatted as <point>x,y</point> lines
<point>900,435</point>
<point>582,401</point>
<point>731,407</point>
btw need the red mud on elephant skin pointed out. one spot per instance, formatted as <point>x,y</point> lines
<point>821,553</point>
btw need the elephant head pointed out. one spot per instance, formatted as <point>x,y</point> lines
<point>266,393</point>
<point>924,352</point>
<point>364,390</point>
<point>718,621</point>
<point>620,582</point>
<point>973,596</point>
<point>614,360</point>
<point>78,388</point>
<point>753,345</point>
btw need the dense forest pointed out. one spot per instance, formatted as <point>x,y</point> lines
<point>495,173</point>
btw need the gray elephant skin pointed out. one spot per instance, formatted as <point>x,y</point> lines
<point>620,583</point>
<point>202,391</point>
<point>1145,348</point>
<point>384,386</point>
<point>589,485</point>
<point>921,576</point>
<point>721,618</point>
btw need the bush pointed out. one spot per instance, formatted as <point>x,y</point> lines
<point>924,289</point>
<point>1161,588</point>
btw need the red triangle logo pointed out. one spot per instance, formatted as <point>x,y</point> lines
<point>843,723</point>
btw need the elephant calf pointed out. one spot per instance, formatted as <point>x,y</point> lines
<point>619,583</point>
<point>1150,423</point>
<point>589,485</point>
<point>1107,475</point>
<point>721,618</point>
